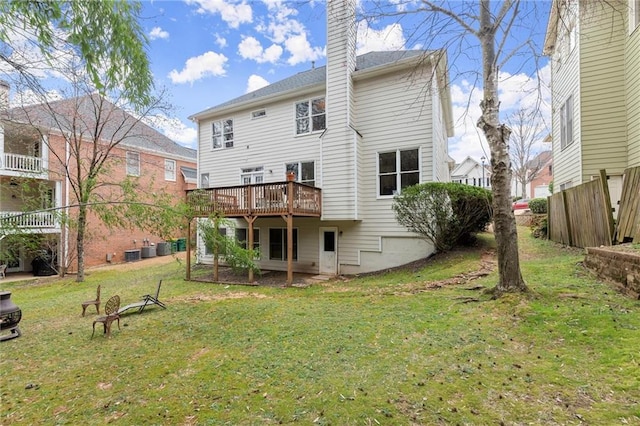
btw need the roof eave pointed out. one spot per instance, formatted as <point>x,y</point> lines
<point>552,29</point>
<point>216,111</point>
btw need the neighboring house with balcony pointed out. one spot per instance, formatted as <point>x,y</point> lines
<point>472,172</point>
<point>354,133</point>
<point>595,77</point>
<point>31,162</point>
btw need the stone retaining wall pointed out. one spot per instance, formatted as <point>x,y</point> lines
<point>619,266</point>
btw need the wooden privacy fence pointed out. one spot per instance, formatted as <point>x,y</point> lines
<point>628,225</point>
<point>582,216</point>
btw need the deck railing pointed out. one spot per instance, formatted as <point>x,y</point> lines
<point>22,163</point>
<point>265,199</point>
<point>27,220</point>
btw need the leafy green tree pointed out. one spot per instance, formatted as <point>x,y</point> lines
<point>225,246</point>
<point>105,35</point>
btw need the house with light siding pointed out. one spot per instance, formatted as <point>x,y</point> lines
<point>595,77</point>
<point>353,133</point>
<point>471,172</point>
<point>34,185</point>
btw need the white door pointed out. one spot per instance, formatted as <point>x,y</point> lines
<point>328,251</point>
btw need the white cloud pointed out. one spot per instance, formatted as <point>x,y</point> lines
<point>387,38</point>
<point>255,82</point>
<point>29,97</point>
<point>221,41</point>
<point>515,92</point>
<point>250,48</point>
<point>198,67</point>
<point>232,12</point>
<point>158,32</point>
<point>174,129</point>
<point>301,51</point>
<point>282,29</point>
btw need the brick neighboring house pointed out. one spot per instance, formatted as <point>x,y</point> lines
<point>595,84</point>
<point>539,185</point>
<point>155,161</point>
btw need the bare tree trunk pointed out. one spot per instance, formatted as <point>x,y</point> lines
<point>506,234</point>
<point>82,225</point>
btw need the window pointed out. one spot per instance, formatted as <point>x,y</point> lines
<point>305,172</point>
<point>396,170</point>
<point>278,244</point>
<point>566,123</point>
<point>133,163</point>
<point>170,170</point>
<point>258,114</point>
<point>634,15</point>
<point>252,175</point>
<point>242,238</point>
<point>310,116</point>
<point>223,134</point>
<point>204,180</point>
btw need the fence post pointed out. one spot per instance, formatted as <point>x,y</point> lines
<point>565,208</point>
<point>607,203</point>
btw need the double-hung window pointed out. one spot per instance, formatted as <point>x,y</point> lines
<point>223,134</point>
<point>204,180</point>
<point>305,172</point>
<point>310,116</point>
<point>278,243</point>
<point>133,163</point>
<point>397,169</point>
<point>566,123</point>
<point>170,170</point>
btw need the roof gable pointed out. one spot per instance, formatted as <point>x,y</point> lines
<point>80,114</point>
<point>315,77</point>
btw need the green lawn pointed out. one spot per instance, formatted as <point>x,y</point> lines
<point>392,349</point>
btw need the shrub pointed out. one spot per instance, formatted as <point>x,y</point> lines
<point>538,206</point>
<point>446,214</point>
<point>539,227</point>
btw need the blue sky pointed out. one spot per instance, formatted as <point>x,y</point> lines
<point>205,52</point>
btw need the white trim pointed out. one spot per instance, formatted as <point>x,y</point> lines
<point>398,171</point>
<point>634,15</point>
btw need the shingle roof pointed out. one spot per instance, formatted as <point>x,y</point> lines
<point>79,115</point>
<point>313,77</point>
<point>189,173</point>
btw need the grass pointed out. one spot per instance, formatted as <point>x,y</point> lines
<point>391,349</point>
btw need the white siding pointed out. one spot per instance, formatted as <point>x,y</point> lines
<point>339,156</point>
<point>565,82</point>
<point>269,141</point>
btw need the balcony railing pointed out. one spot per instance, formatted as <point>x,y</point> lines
<point>22,163</point>
<point>10,220</point>
<point>265,199</point>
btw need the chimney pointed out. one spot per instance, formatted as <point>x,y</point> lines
<point>339,145</point>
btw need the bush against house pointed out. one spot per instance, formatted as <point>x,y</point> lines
<point>445,214</point>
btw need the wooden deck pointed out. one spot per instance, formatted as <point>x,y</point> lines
<point>264,199</point>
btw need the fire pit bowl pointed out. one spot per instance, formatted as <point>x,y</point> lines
<point>10,316</point>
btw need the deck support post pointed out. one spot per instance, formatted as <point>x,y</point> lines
<point>250,220</point>
<point>289,219</point>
